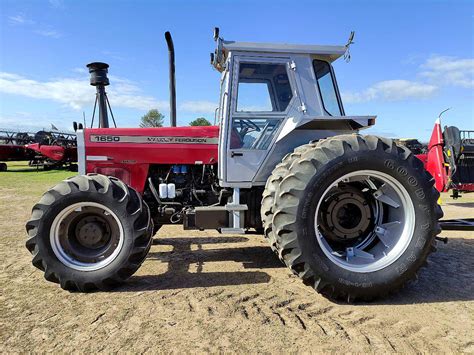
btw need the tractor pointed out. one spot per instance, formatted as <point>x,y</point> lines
<point>354,216</point>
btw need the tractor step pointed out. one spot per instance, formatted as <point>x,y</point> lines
<point>232,230</point>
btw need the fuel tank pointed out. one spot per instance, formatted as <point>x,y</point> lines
<point>127,153</point>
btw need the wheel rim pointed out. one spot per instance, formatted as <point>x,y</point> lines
<point>86,236</point>
<point>364,221</point>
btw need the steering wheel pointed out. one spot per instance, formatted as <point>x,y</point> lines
<point>248,124</point>
<point>244,126</point>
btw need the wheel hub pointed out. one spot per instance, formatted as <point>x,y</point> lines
<point>347,215</point>
<point>364,220</point>
<point>91,232</point>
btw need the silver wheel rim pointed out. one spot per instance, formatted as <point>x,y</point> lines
<point>391,227</point>
<point>58,235</point>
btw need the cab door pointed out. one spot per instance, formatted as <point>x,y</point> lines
<point>222,115</point>
<point>261,94</point>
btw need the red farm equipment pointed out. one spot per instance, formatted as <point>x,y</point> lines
<point>450,159</point>
<point>12,147</point>
<point>354,216</point>
<point>49,149</point>
<point>54,149</point>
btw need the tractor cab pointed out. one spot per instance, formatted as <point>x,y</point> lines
<point>273,98</point>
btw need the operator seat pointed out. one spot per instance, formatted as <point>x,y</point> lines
<point>452,140</point>
<point>459,152</point>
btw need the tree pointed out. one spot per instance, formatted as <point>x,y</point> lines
<point>200,121</point>
<point>153,118</point>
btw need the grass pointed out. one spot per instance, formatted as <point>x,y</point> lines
<point>30,180</point>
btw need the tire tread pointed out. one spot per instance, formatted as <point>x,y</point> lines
<point>121,194</point>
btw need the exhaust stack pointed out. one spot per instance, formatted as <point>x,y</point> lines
<point>99,79</point>
<point>169,42</point>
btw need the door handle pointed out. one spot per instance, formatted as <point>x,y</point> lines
<point>236,154</point>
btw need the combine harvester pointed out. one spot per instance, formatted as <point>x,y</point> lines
<point>354,216</point>
<point>48,149</point>
<point>12,147</point>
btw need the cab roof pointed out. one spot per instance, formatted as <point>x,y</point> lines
<point>224,47</point>
<point>330,52</point>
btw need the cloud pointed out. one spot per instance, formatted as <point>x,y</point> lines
<point>27,121</point>
<point>10,76</point>
<point>79,70</point>
<point>56,4</point>
<point>20,19</point>
<point>434,73</point>
<point>77,93</point>
<point>114,55</point>
<point>445,70</point>
<point>199,106</point>
<point>391,90</point>
<point>38,28</point>
<point>49,33</point>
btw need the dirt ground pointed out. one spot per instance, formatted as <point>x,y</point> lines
<point>203,292</point>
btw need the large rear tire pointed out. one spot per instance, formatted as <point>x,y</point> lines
<point>271,189</point>
<point>355,217</point>
<point>89,232</point>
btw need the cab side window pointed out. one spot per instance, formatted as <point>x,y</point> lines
<point>263,88</point>
<point>327,87</point>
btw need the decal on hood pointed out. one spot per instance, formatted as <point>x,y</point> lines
<point>151,139</point>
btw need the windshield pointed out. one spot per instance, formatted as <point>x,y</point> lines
<point>327,87</point>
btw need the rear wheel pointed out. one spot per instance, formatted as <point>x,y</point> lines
<point>3,167</point>
<point>355,217</point>
<point>89,232</point>
<point>271,190</point>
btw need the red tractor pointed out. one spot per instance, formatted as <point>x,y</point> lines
<point>354,216</point>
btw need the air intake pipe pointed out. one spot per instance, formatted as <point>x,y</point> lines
<point>169,42</point>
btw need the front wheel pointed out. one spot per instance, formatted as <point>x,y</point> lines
<point>89,232</point>
<point>356,217</point>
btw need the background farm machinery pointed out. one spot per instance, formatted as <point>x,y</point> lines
<point>47,149</point>
<point>448,157</point>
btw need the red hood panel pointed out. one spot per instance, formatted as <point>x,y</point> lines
<point>163,145</point>
<point>191,131</point>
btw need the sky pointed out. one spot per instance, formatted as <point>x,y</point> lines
<point>410,60</point>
